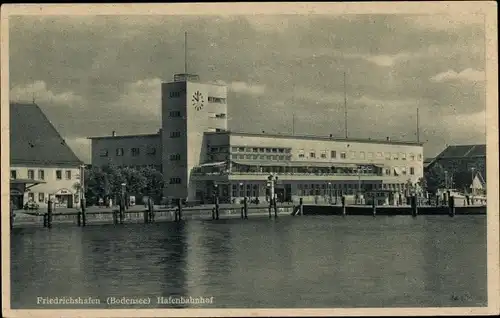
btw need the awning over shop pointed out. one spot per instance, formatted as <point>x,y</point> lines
<point>27,183</point>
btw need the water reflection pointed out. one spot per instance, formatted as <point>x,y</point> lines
<point>288,262</point>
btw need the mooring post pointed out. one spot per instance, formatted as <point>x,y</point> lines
<point>151,212</point>
<point>301,206</point>
<point>79,218</point>
<point>121,212</point>
<point>451,206</point>
<point>12,215</point>
<point>115,217</point>
<point>374,206</point>
<point>216,207</point>
<point>344,212</point>
<point>414,208</point>
<point>179,207</point>
<point>49,214</point>
<point>468,199</point>
<point>145,215</point>
<point>84,215</point>
<point>245,208</point>
<point>275,208</point>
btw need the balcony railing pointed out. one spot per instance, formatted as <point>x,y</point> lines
<point>227,173</point>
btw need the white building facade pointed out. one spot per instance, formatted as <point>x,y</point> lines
<point>59,183</point>
<point>198,152</point>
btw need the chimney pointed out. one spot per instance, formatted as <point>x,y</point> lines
<point>387,138</point>
<point>331,135</point>
<point>113,133</point>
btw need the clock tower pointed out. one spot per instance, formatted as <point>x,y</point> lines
<point>189,109</point>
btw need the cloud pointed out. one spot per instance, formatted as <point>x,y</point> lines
<point>141,98</point>
<point>81,147</point>
<point>387,60</point>
<point>38,91</point>
<point>446,22</point>
<point>468,74</point>
<point>244,88</point>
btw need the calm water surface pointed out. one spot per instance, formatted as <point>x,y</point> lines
<point>288,262</point>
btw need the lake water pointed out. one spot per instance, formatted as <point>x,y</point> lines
<point>317,262</point>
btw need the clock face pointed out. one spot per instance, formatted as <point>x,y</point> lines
<point>198,100</point>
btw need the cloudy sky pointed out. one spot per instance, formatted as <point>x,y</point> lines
<point>95,74</point>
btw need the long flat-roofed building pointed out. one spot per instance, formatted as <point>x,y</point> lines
<point>135,151</point>
<point>306,166</point>
<point>198,152</point>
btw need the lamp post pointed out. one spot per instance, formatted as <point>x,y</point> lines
<point>122,202</point>
<point>330,192</point>
<point>242,187</point>
<point>359,185</point>
<point>446,179</point>
<point>272,202</point>
<point>82,188</point>
<point>472,180</point>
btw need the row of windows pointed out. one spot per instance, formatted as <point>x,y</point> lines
<point>175,181</point>
<point>262,157</point>
<point>175,94</point>
<point>135,152</point>
<point>253,190</point>
<point>222,149</point>
<point>43,198</point>
<point>216,100</point>
<point>175,134</point>
<point>261,150</point>
<point>175,157</point>
<point>362,155</point>
<point>41,174</point>
<point>174,113</point>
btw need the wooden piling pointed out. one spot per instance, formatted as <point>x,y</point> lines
<point>49,214</point>
<point>270,206</point>
<point>79,218</point>
<point>301,206</point>
<point>151,213</point>
<point>414,206</point>
<point>145,215</point>
<point>84,215</point>
<point>115,217</point>
<point>179,210</point>
<point>217,207</point>
<point>45,220</point>
<point>374,206</point>
<point>451,206</point>
<point>344,210</point>
<point>245,208</point>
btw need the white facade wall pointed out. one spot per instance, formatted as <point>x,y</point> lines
<point>202,107</point>
<point>52,186</point>
<point>356,152</point>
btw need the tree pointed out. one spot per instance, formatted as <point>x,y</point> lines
<point>434,178</point>
<point>154,183</point>
<point>107,182</point>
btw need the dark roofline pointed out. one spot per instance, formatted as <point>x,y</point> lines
<point>440,156</point>
<point>125,136</point>
<point>408,143</point>
<point>78,161</point>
